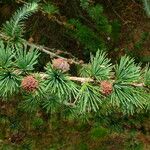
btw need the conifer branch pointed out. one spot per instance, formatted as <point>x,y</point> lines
<point>52,54</point>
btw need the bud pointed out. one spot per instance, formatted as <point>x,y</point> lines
<point>61,64</point>
<point>29,83</point>
<point>106,87</point>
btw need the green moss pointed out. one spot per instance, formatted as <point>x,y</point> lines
<point>98,132</point>
<point>82,146</point>
<point>37,122</point>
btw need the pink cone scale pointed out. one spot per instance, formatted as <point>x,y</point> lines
<point>29,83</point>
<point>61,64</point>
<point>106,87</point>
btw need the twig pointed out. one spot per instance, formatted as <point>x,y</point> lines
<point>116,12</point>
<point>2,36</point>
<point>82,80</point>
<point>52,54</point>
<point>44,49</point>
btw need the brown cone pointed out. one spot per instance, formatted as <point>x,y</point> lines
<point>106,87</point>
<point>29,83</point>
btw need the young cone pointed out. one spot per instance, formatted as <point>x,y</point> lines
<point>61,64</point>
<point>29,83</point>
<point>106,87</point>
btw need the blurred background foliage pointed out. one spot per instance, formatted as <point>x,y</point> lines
<point>80,27</point>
